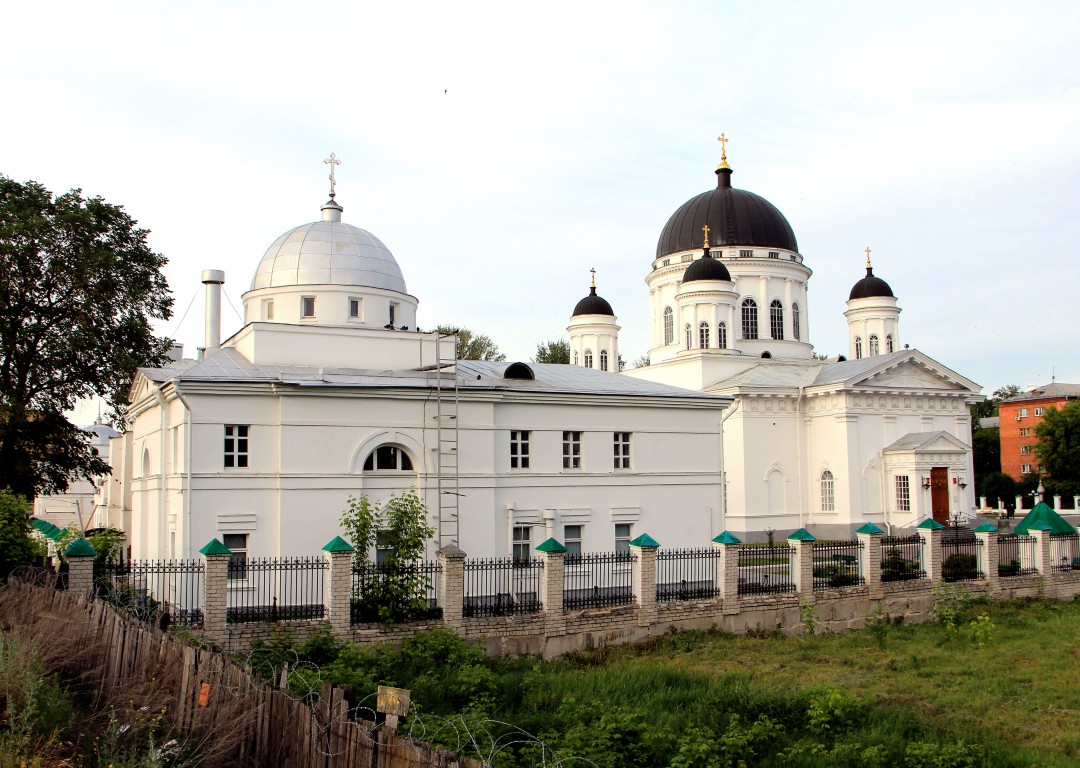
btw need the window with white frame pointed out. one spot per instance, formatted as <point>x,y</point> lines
<point>875,348</point>
<point>703,335</point>
<point>237,544</point>
<point>623,535</point>
<point>388,458</point>
<point>519,449</point>
<point>669,326</point>
<point>571,450</point>
<point>903,493</point>
<point>384,550</point>
<point>603,360</point>
<point>572,542</point>
<point>1025,450</point>
<point>1025,469</point>
<point>588,358</point>
<point>575,357</point>
<point>749,318</point>
<point>236,445</point>
<point>796,324</point>
<point>307,306</point>
<point>521,550</point>
<point>828,492</point>
<point>776,319</point>
<point>268,309</point>
<point>888,344</point>
<point>689,337</point>
<point>1022,412</point>
<point>1039,411</point>
<point>858,347</point>
<point>1025,431</point>
<point>354,308</point>
<point>622,450</point>
<point>721,335</point>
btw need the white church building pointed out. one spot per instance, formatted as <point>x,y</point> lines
<point>329,390</point>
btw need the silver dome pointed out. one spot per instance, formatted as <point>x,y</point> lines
<point>328,253</point>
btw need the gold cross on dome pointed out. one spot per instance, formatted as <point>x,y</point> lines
<point>723,147</point>
<point>868,257</point>
<point>706,228</point>
<point>332,161</point>
<point>593,270</point>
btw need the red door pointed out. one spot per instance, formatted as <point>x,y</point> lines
<point>939,494</point>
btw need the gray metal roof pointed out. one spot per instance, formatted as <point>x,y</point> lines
<point>1049,391</point>
<point>913,441</point>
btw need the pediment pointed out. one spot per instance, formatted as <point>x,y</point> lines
<point>912,375</point>
<point>927,442</point>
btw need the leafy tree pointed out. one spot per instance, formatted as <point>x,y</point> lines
<point>989,406</point>
<point>1059,443</point>
<point>998,486</point>
<point>556,351</point>
<point>79,287</point>
<point>641,362</point>
<point>472,346</point>
<point>16,546</point>
<point>986,447</point>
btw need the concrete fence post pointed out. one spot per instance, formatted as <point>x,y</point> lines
<point>552,586</point>
<point>728,570</point>
<point>802,541</point>
<point>1043,564</point>
<point>80,557</point>
<point>337,586</point>
<point>930,531</point>
<point>215,589</point>
<point>988,555</point>
<point>451,592</point>
<point>869,537</point>
<point>645,578</point>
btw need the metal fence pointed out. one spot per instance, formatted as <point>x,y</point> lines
<point>687,574</point>
<point>960,558</point>
<point>765,570</point>
<point>836,564</point>
<point>502,586</point>
<point>1016,555</point>
<point>394,592</point>
<point>164,591</point>
<point>598,579</point>
<point>901,558</point>
<point>1065,552</point>
<point>275,589</point>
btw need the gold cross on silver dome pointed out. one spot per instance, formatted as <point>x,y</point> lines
<point>332,161</point>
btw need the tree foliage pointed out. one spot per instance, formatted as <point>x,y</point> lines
<point>79,287</point>
<point>989,406</point>
<point>16,546</point>
<point>473,346</point>
<point>1059,444</point>
<point>555,351</point>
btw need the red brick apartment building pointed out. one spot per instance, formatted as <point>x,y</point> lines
<point>1019,416</point>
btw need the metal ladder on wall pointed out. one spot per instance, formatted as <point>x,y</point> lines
<point>446,421</point>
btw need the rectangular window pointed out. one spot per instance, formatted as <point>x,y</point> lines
<point>1025,431</point>
<point>268,309</point>
<point>1025,469</point>
<point>1039,411</point>
<point>774,254</point>
<point>622,538</point>
<point>572,542</point>
<point>236,445</point>
<point>383,550</point>
<point>1021,413</point>
<point>903,493</point>
<point>519,449</point>
<point>622,450</point>
<point>354,309</point>
<point>521,550</point>
<point>745,254</point>
<point>571,450</point>
<point>237,544</point>
<point>307,306</point>
<point>393,312</point>
<point>1025,450</point>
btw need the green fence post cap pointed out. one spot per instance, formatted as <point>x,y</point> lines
<point>801,535</point>
<point>80,548</point>
<point>215,547</point>
<point>551,546</point>
<point>985,528</point>
<point>869,528</point>
<point>930,524</point>
<point>644,540</point>
<point>338,544</point>
<point>727,538</point>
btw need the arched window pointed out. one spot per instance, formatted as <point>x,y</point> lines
<point>858,347</point>
<point>689,337</point>
<point>588,358</point>
<point>796,330</point>
<point>721,335</point>
<point>388,457</point>
<point>888,344</point>
<point>603,359</point>
<point>703,336</point>
<point>749,318</point>
<point>828,492</point>
<point>576,359</point>
<point>776,319</point>
<point>669,326</point>
<point>874,346</point>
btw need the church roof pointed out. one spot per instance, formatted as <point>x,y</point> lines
<point>917,441</point>
<point>1047,392</point>
<point>870,286</point>
<point>706,268</point>
<point>593,305</point>
<point>1043,514</point>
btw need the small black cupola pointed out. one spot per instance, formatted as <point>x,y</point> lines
<point>870,286</point>
<point>593,304</point>
<point>706,268</point>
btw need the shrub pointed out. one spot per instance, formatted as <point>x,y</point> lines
<point>960,566</point>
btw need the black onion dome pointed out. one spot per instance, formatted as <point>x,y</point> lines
<point>734,216</point>
<point>706,268</point>
<point>870,287</point>
<point>593,305</point>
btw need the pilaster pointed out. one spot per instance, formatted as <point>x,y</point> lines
<point>1042,550</point>
<point>337,591</point>
<point>80,556</point>
<point>552,585</point>
<point>215,589</point>
<point>645,578</point>
<point>988,555</point>
<point>930,531</point>
<point>728,571</point>
<point>451,590</point>
<point>869,537</point>
<point>803,543</point>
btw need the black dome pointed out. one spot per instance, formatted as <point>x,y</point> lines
<point>869,287</point>
<point>593,305</point>
<point>706,268</point>
<point>734,216</point>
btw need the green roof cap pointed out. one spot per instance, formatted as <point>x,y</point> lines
<point>801,535</point>
<point>338,544</point>
<point>985,528</point>
<point>644,540</point>
<point>47,529</point>
<point>551,546</point>
<point>727,538</point>
<point>930,524</point>
<point>869,528</point>
<point>215,547</point>
<point>1042,515</point>
<point>80,548</point>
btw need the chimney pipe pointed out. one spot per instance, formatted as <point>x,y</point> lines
<point>213,280</point>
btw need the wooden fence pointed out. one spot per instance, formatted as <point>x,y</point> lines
<point>228,715</point>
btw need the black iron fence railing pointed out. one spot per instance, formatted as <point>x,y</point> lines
<point>836,564</point>
<point>394,592</point>
<point>901,558</point>
<point>502,586</point>
<point>687,574</point>
<point>764,570</point>
<point>1016,555</point>
<point>1065,552</point>
<point>163,591</point>
<point>960,558</point>
<point>598,579</point>
<point>275,589</point>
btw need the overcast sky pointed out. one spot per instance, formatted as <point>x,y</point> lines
<point>500,150</point>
